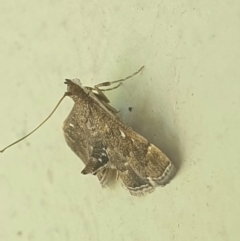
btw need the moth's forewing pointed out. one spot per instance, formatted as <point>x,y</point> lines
<point>140,165</point>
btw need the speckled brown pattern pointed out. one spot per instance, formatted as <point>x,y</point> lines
<point>107,146</point>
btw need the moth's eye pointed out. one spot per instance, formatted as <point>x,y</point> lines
<point>77,82</point>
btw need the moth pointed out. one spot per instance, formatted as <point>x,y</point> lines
<point>107,147</point>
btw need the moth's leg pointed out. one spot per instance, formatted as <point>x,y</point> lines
<point>105,101</point>
<point>135,185</point>
<point>113,88</point>
<point>116,81</point>
<point>106,176</point>
<point>108,83</point>
<point>101,96</point>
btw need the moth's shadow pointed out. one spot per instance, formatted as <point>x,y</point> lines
<point>153,126</point>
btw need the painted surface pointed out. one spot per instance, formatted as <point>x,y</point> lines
<point>186,101</point>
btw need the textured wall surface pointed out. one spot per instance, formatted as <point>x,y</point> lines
<point>186,101</point>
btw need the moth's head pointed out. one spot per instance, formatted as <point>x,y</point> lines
<point>73,86</point>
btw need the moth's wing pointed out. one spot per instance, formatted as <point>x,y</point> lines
<point>149,162</point>
<point>131,180</point>
<point>80,148</point>
<point>135,184</point>
<point>80,145</point>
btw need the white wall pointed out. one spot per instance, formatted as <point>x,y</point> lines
<point>186,101</point>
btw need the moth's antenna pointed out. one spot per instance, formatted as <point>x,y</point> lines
<point>37,126</point>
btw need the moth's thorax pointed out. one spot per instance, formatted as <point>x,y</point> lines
<point>76,90</point>
<point>81,95</point>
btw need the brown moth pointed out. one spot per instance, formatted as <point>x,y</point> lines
<point>107,147</point>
